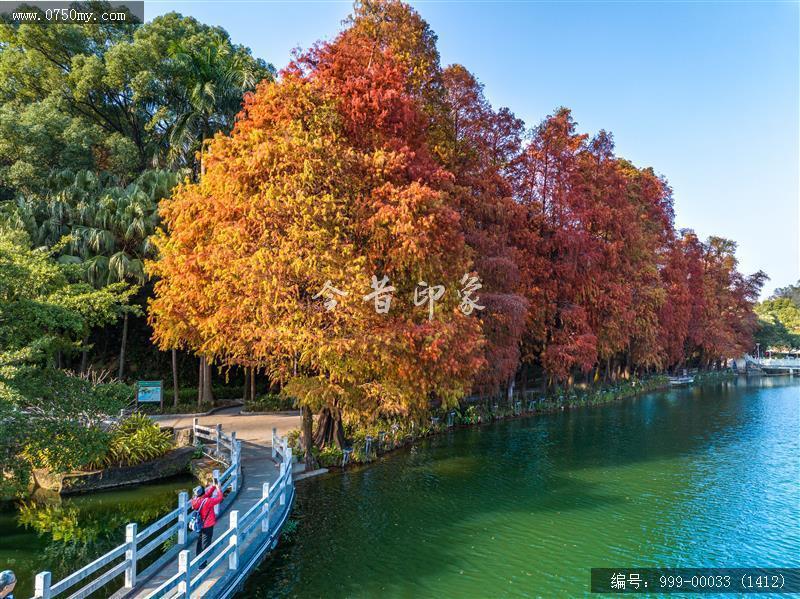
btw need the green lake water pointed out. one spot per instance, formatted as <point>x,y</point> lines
<point>62,535</point>
<point>698,477</point>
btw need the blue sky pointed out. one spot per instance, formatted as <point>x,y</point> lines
<point>707,93</point>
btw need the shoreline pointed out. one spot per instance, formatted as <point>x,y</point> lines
<point>378,445</point>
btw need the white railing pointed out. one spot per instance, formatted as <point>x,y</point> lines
<point>222,447</point>
<point>280,446</point>
<point>264,519</point>
<point>773,362</point>
<point>125,558</point>
<point>779,362</point>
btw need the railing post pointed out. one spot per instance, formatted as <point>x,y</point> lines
<point>185,583</point>
<point>283,483</point>
<point>265,508</point>
<point>130,555</point>
<point>289,465</point>
<point>233,558</point>
<point>238,462</point>
<point>234,461</point>
<point>42,589</point>
<point>274,439</point>
<point>183,499</point>
<point>219,440</point>
<point>195,422</point>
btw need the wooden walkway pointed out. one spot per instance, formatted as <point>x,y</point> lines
<point>258,468</point>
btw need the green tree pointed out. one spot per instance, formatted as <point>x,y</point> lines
<point>115,99</point>
<point>779,320</point>
<point>790,292</point>
<point>211,84</point>
<point>48,417</point>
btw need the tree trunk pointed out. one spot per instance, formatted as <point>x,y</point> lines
<point>253,383</point>
<point>330,431</point>
<point>85,355</point>
<point>175,390</point>
<point>524,382</point>
<point>122,346</point>
<point>200,372</point>
<point>246,397</point>
<point>543,389</point>
<point>308,438</point>
<point>208,395</point>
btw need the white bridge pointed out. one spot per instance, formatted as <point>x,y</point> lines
<point>787,365</point>
<point>260,491</point>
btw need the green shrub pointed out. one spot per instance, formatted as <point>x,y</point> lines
<point>66,446</point>
<point>135,440</point>
<point>270,402</point>
<point>359,455</point>
<point>289,530</point>
<point>330,456</point>
<point>471,415</point>
<point>293,438</point>
<point>189,394</point>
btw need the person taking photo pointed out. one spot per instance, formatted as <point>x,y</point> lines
<point>204,502</point>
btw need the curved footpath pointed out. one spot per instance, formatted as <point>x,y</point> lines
<point>258,467</point>
<point>250,428</point>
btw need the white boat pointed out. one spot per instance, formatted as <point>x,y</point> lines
<point>680,381</point>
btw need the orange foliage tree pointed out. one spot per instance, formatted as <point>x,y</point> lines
<point>367,159</point>
<point>325,178</point>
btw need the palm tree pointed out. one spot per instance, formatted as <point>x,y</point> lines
<point>211,87</point>
<point>109,228</point>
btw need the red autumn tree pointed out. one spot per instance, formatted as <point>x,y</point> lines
<point>479,146</point>
<point>558,253</point>
<point>366,158</point>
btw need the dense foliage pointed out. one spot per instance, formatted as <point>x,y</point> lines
<point>779,317</point>
<point>90,116</point>
<point>117,99</point>
<point>368,161</point>
<point>270,402</point>
<point>367,171</point>
<point>49,417</point>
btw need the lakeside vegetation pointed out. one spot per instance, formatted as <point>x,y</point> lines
<point>364,158</point>
<point>779,320</point>
<point>390,434</point>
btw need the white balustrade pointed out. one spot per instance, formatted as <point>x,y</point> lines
<point>138,544</point>
<point>229,544</point>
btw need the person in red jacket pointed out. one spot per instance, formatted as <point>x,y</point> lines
<point>204,502</point>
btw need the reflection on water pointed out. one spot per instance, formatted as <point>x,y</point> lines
<point>61,535</point>
<point>705,476</point>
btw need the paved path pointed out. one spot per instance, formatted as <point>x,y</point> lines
<point>256,428</point>
<point>255,433</point>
